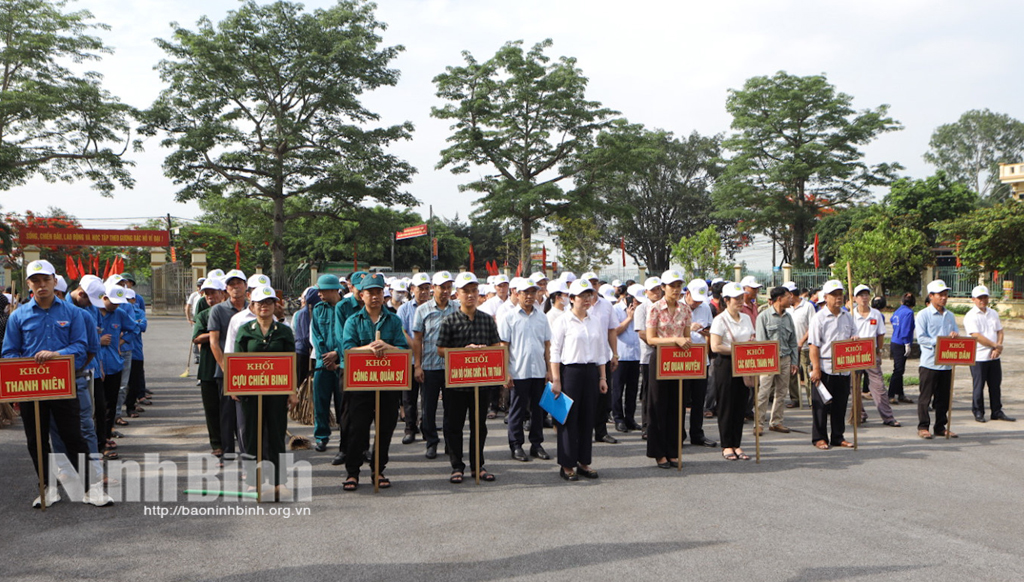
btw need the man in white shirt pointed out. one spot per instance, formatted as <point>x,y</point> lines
<point>605,311</point>
<point>983,324</point>
<point>869,324</point>
<point>501,288</point>
<point>802,311</point>
<point>695,390</point>
<point>651,294</point>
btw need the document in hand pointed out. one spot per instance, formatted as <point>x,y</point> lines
<point>826,396</point>
<point>557,406</point>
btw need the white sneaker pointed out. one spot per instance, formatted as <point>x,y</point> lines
<point>96,496</point>
<point>52,496</point>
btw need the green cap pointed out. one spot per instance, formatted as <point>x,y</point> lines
<point>328,281</point>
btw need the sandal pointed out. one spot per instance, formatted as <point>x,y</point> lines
<point>741,456</point>
<point>110,456</point>
<point>121,422</point>
<point>892,422</point>
<point>485,476</point>
<point>730,456</point>
<point>350,484</point>
<point>145,401</point>
<point>383,482</point>
<point>821,445</point>
<point>133,414</point>
<point>217,453</point>
<point>456,477</point>
<point>492,415</point>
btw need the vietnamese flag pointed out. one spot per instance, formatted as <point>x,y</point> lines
<point>519,270</point>
<point>96,264</point>
<point>622,244</point>
<point>472,257</point>
<point>816,263</point>
<point>69,266</point>
<point>544,258</point>
<point>106,269</point>
<point>238,256</point>
<point>81,271</point>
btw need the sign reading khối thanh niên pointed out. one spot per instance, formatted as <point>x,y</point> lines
<point>755,358</point>
<point>365,371</point>
<point>475,366</point>
<point>675,363</point>
<point>955,351</point>
<point>259,373</point>
<point>24,379</point>
<point>53,237</point>
<point>854,354</point>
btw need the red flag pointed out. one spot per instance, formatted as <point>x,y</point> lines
<point>81,271</point>
<point>106,269</point>
<point>118,267</point>
<point>622,244</point>
<point>355,256</point>
<point>96,264</point>
<point>817,264</point>
<point>544,258</point>
<point>472,257</point>
<point>238,256</point>
<point>69,266</point>
<point>995,276</point>
<point>519,270</point>
<point>958,253</point>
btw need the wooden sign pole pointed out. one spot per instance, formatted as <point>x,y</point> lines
<point>259,448</point>
<point>476,433</point>
<point>757,421</point>
<point>39,456</point>
<point>682,410</point>
<point>949,411</point>
<point>376,438</point>
<point>855,385</point>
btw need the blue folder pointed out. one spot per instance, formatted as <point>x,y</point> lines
<point>557,406</point>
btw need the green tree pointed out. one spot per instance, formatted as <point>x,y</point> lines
<point>54,122</point>
<point>579,244</point>
<point>989,238</point>
<point>528,119</point>
<point>832,228</point>
<point>265,106</point>
<point>701,254</point>
<point>886,253</point>
<point>652,189</point>
<point>795,155</point>
<point>971,149</point>
<point>923,202</point>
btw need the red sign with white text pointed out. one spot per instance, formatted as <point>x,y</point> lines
<point>675,363</point>
<point>475,366</point>
<point>755,358</point>
<point>411,232</point>
<point>78,237</point>
<point>955,351</point>
<point>854,354</point>
<point>22,379</point>
<point>366,372</point>
<point>259,373</point>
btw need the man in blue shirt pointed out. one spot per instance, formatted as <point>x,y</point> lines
<point>933,322</point>
<point>899,347</point>
<point>429,366</point>
<point>419,293</point>
<point>45,328</point>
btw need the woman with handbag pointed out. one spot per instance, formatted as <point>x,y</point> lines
<point>728,327</point>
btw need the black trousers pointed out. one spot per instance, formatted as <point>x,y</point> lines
<point>581,382</point>
<point>821,413</point>
<point>275,425</point>
<point>67,415</point>
<point>524,402</point>
<point>301,368</point>
<point>433,380</point>
<point>603,404</point>
<point>229,429</point>
<point>662,417</point>
<point>898,352</point>
<point>359,411</point>
<point>645,388</point>
<point>711,399</point>
<point>731,394</point>
<point>410,400</point>
<point>105,403</point>
<point>934,386</point>
<point>210,393</point>
<point>625,384</point>
<point>991,373</point>
<point>695,391</point>
<point>458,403</point>
<point>136,384</point>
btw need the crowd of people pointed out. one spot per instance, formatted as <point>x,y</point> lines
<point>589,340</point>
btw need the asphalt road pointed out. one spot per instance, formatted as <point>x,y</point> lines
<point>899,508</point>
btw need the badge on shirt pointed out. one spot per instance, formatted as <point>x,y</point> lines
<point>874,322</point>
<point>63,323</point>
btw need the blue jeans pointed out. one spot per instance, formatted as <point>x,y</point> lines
<point>326,385</point>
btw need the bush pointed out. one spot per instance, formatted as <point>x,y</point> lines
<point>907,380</point>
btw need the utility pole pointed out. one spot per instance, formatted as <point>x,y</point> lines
<point>430,237</point>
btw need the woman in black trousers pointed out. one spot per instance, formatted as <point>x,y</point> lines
<point>730,326</point>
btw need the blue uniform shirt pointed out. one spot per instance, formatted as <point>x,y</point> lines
<point>91,335</point>
<point>116,324</point>
<point>903,326</point>
<point>141,324</point>
<point>32,329</point>
<point>930,324</point>
<point>360,330</point>
<point>525,334</point>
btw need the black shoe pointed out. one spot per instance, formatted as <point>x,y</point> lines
<point>980,418</point>
<point>567,476</point>
<point>368,456</point>
<point>431,451</point>
<point>519,455</point>
<point>505,420</point>
<point>621,427</point>
<point>321,446</point>
<point>633,426</point>
<point>409,438</point>
<point>339,459</point>
<point>707,443</point>
<point>607,438</point>
<point>526,425</point>
<point>588,473</point>
<point>548,423</point>
<point>1002,416</point>
<point>539,452</point>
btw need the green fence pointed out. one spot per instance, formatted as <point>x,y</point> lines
<point>811,278</point>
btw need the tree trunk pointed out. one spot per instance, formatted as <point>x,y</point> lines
<point>525,245</point>
<point>277,274</point>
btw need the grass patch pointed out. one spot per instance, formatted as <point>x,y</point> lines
<point>907,380</point>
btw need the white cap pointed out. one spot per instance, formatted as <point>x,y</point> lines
<point>41,266</point>
<point>567,276</point>
<point>94,290</point>
<point>215,274</point>
<point>651,282</point>
<point>213,283</point>
<point>717,280</point>
<point>671,276</point>
<point>399,285</point>
<point>516,282</point>
<point>589,276</point>
<point>62,284</point>
<point>791,286</point>
<point>580,286</point>
<point>607,291</point>
<point>499,279</point>
<point>262,293</point>
<point>830,286</point>
<point>732,290</point>
<point>538,277</point>
<point>257,280</point>
<point>636,290</point>
<point>113,280</point>
<point>465,278</point>
<point>484,289</point>
<point>558,286</point>
<point>490,279</point>
<point>442,277</point>
<point>937,286</point>
<point>234,274</point>
<point>116,294</point>
<point>979,291</point>
<point>130,294</point>
<point>387,291</point>
<point>857,290</point>
<point>750,281</point>
<point>617,283</point>
<point>698,290</point>
<point>525,284</point>
<point>420,278</point>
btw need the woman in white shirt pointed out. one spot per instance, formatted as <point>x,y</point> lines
<point>728,327</point>
<point>579,353</point>
<point>555,303</point>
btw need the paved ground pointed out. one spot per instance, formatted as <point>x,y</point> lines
<point>900,508</point>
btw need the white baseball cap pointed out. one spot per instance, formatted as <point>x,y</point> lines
<point>62,284</point>
<point>671,276</point>
<point>116,294</point>
<point>234,274</point>
<point>567,276</point>
<point>636,290</point>
<point>732,290</point>
<point>979,291</point>
<point>698,290</point>
<point>213,283</point>
<point>558,286</point>
<point>791,286</point>
<point>538,277</point>
<point>937,286</point>
<point>651,282</point>
<point>607,291</point>
<point>516,282</point>
<point>717,280</point>
<point>215,274</point>
<point>483,289</point>
<point>830,286</point>
<point>94,290</point>
<point>589,276</point>
<point>40,267</point>
<point>580,286</point>
<point>130,294</point>
<point>617,283</point>
<point>499,280</point>
<point>750,281</point>
<point>257,280</point>
<point>113,279</point>
<point>399,285</point>
<point>859,288</point>
<point>465,278</point>
<point>419,279</point>
<point>525,284</point>
<point>262,293</point>
<point>442,277</point>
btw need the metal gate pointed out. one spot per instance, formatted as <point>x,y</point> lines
<point>172,284</point>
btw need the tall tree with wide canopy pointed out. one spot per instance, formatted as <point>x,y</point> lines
<point>796,157</point>
<point>55,122</point>
<point>528,119</point>
<point>265,105</point>
<point>971,149</point>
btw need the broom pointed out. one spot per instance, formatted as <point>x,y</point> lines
<point>6,414</point>
<point>188,360</point>
<point>296,443</point>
